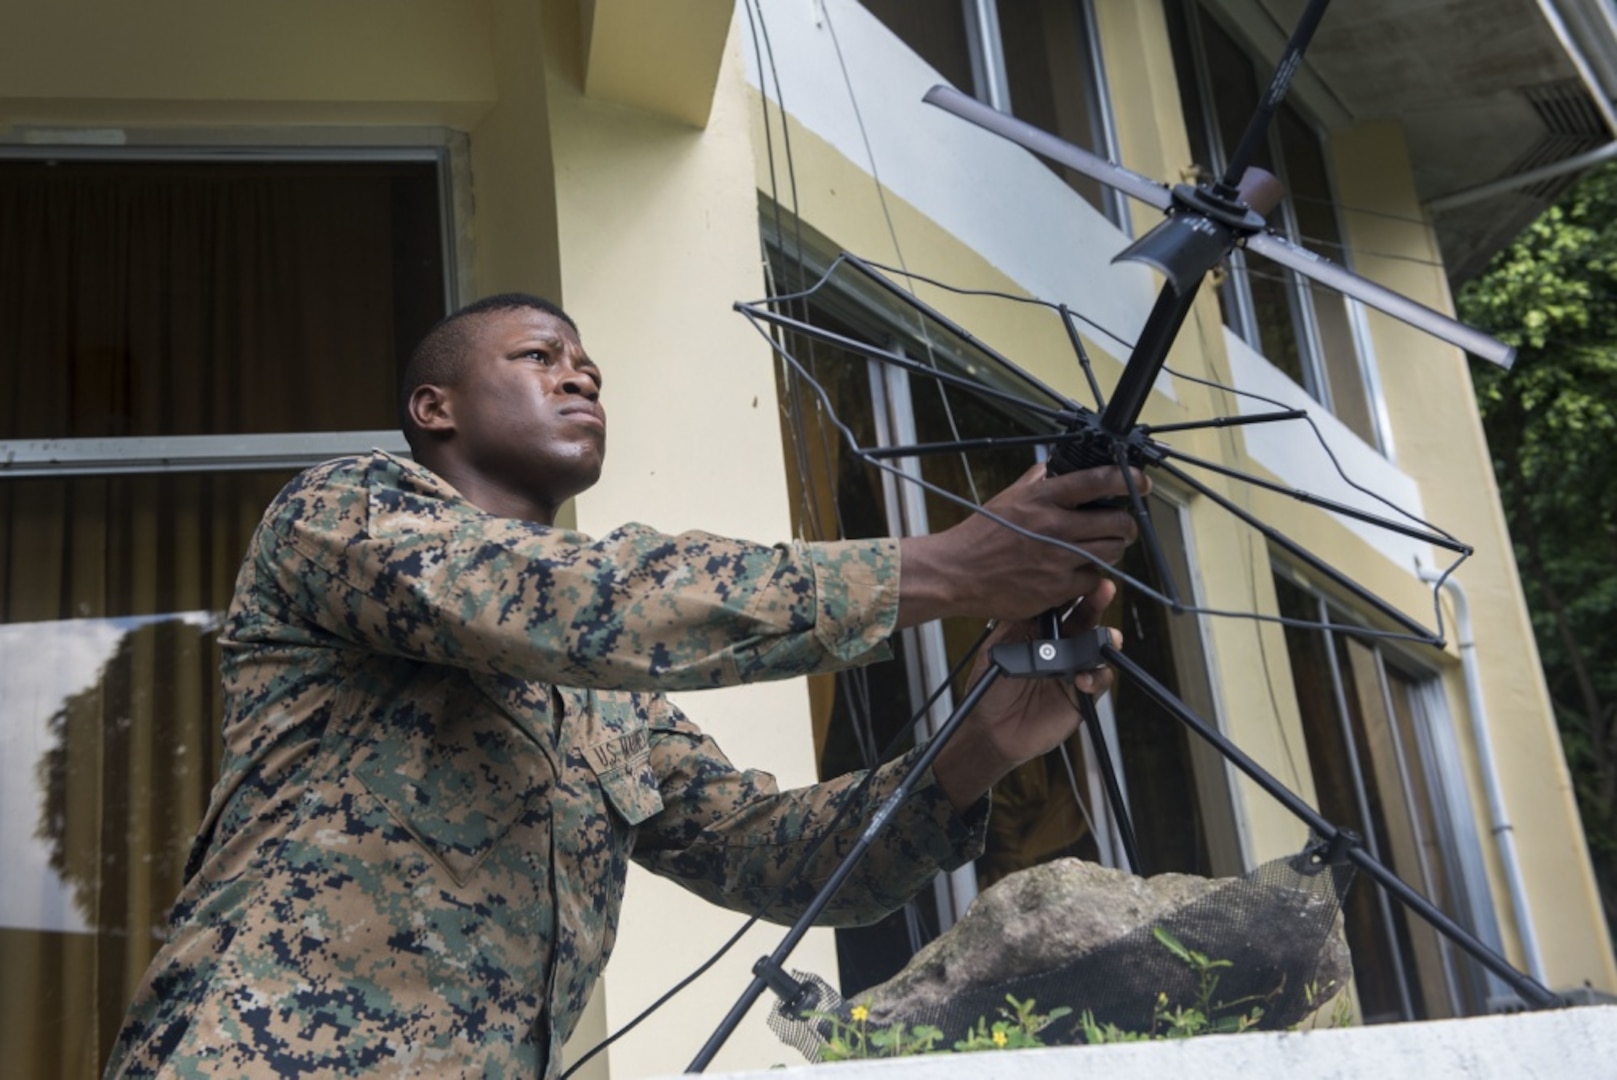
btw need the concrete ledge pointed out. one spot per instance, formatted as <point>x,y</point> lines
<point>1568,1044</point>
<point>661,55</point>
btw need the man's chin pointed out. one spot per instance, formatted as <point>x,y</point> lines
<point>578,478</point>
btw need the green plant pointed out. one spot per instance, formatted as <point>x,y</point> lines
<point>857,1038</point>
<point>1341,1005</point>
<point>1205,1016</point>
<point>1018,1028</point>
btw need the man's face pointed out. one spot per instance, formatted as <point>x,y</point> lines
<point>527,411</point>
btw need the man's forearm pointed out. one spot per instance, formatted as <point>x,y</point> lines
<point>929,585</point>
<point>968,766</point>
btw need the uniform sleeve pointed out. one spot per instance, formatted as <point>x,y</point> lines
<point>732,837</point>
<point>371,554</point>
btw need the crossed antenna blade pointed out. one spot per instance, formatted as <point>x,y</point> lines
<point>1282,251</point>
<point>1047,145</point>
<point>1397,305</point>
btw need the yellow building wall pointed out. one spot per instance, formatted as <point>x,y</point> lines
<point>657,236</point>
<point>1440,441</point>
<point>95,62</point>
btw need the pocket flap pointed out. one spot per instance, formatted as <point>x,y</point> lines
<point>622,765</point>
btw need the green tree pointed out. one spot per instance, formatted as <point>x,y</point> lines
<point>1552,426</point>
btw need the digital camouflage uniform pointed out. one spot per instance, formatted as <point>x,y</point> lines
<point>444,741</point>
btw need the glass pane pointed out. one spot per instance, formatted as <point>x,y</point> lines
<point>1169,806</point>
<point>1401,815</point>
<point>935,30</point>
<point>1331,760</point>
<point>859,712</point>
<point>1219,90</point>
<point>1039,809</point>
<point>1274,307</point>
<point>196,299</point>
<point>1318,230</point>
<point>1052,84</point>
<point>1350,397</point>
<point>1235,87</point>
<point>111,595</point>
<point>1439,848</point>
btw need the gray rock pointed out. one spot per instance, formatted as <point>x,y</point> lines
<point>1081,935</point>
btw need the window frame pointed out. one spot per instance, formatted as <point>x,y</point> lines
<point>1470,989</point>
<point>990,73</point>
<point>1237,287</point>
<point>447,151</point>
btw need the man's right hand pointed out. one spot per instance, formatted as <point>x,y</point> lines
<point>980,568</point>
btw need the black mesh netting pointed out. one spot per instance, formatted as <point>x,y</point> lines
<point>1272,925</point>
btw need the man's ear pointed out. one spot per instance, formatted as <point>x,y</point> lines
<point>430,409</point>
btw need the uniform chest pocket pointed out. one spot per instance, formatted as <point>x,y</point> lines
<point>457,784</point>
<point>622,766</point>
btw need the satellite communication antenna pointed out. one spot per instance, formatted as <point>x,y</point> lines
<point>1203,224</point>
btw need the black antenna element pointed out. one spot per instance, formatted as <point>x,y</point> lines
<point>1203,224</point>
<point>1257,129</point>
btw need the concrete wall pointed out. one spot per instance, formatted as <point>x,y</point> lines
<point>1568,1043</point>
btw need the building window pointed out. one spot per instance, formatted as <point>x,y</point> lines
<point>1384,764</point>
<point>1178,796</point>
<point>1038,60</point>
<point>1304,329</point>
<point>178,336</point>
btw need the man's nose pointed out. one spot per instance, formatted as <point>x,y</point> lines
<point>576,381</point>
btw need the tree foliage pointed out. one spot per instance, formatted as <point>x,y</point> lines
<point>1552,426</point>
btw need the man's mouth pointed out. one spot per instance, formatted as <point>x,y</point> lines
<point>588,413</point>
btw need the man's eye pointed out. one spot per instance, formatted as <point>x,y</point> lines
<point>539,355</point>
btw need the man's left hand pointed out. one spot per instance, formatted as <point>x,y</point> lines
<point>1019,719</point>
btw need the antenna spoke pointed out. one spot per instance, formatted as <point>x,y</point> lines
<point>1303,555</point>
<point>1226,421</point>
<point>955,446</point>
<point>1446,542</point>
<point>914,367</point>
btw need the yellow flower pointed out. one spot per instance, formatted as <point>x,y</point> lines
<point>1162,998</point>
<point>999,1038</point>
<point>860,1014</point>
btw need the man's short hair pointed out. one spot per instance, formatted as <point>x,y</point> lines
<point>440,358</point>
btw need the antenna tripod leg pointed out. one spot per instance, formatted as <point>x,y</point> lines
<point>1023,659</point>
<point>1531,990</point>
<point>1114,790</point>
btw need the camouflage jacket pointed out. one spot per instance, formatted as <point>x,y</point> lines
<point>444,741</point>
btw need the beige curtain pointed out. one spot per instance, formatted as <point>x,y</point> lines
<point>160,300</point>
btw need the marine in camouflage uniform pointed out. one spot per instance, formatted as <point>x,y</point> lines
<point>415,857</point>
<point>445,734</point>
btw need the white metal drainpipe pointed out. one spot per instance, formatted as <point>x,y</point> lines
<point>1499,823</point>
